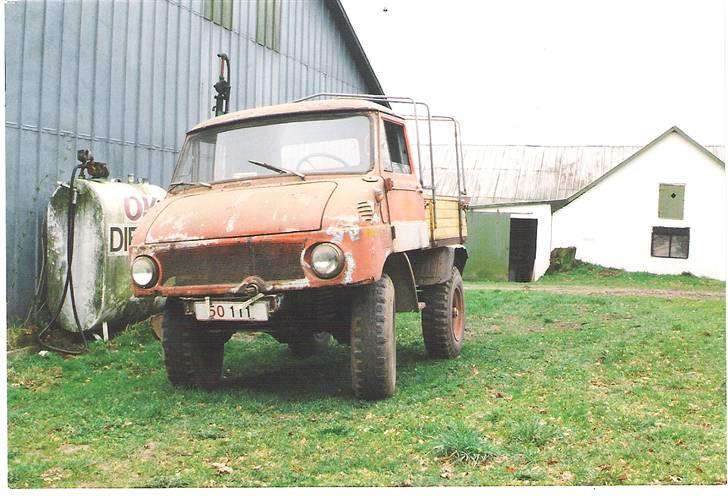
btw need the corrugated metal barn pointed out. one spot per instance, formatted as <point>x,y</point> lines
<point>127,78</point>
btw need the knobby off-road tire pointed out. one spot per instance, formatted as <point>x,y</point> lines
<point>309,343</point>
<point>443,318</point>
<point>373,347</point>
<point>193,357</point>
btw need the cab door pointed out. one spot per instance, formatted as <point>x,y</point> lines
<point>404,195</point>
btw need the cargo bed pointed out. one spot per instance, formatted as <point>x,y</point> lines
<point>447,220</point>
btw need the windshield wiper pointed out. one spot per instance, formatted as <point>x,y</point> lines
<point>185,183</point>
<point>279,170</point>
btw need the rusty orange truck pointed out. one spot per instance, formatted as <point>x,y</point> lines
<point>306,220</point>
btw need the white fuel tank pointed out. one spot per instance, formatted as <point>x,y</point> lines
<point>107,213</point>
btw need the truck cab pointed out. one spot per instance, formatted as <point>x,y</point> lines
<point>306,220</point>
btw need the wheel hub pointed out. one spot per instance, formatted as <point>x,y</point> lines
<point>458,322</point>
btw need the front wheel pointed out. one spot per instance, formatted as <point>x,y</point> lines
<point>373,347</point>
<point>193,357</point>
<point>443,318</point>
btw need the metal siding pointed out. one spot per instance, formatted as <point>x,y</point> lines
<point>127,79</point>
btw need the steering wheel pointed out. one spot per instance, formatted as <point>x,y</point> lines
<point>306,164</point>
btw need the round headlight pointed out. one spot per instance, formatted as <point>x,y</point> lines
<point>327,260</point>
<point>144,272</point>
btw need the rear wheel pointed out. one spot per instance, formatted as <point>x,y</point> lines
<point>373,347</point>
<point>443,318</point>
<point>192,356</point>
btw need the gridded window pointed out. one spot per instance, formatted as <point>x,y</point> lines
<point>672,201</point>
<point>397,146</point>
<point>670,242</point>
<point>268,26</point>
<point>220,12</point>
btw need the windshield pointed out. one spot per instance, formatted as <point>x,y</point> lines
<point>309,145</point>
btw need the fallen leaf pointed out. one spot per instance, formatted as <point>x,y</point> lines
<point>53,474</point>
<point>551,462</point>
<point>221,468</point>
<point>446,471</point>
<point>69,449</point>
<point>566,476</point>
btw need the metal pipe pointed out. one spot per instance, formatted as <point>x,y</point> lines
<point>459,158</point>
<point>222,99</point>
<point>457,166</point>
<point>462,160</point>
<point>397,99</point>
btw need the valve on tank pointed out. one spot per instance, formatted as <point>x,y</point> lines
<point>97,170</point>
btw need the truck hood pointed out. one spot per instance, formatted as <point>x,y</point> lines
<point>241,211</point>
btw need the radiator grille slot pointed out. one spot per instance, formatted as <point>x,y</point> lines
<point>231,263</point>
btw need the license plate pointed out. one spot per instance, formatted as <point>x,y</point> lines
<point>231,310</point>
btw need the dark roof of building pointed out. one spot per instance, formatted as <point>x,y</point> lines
<point>624,163</point>
<point>506,174</point>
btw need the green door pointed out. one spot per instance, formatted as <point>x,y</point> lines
<point>488,246</point>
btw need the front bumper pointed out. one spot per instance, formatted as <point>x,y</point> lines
<point>268,264</point>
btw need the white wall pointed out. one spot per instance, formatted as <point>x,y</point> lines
<point>541,212</point>
<point>611,224</point>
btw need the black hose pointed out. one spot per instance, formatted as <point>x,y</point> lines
<point>68,283</point>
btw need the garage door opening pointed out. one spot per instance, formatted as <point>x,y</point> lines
<point>522,249</point>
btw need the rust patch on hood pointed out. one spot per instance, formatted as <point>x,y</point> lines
<point>229,213</point>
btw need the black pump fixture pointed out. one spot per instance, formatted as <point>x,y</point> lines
<point>222,99</point>
<point>97,170</point>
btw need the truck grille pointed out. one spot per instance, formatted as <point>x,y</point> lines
<point>230,263</point>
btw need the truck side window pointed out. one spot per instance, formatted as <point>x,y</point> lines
<point>397,148</point>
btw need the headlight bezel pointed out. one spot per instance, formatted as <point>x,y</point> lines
<point>338,259</point>
<point>154,271</point>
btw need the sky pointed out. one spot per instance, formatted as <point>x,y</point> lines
<point>555,72</point>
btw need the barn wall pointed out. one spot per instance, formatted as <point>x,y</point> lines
<point>126,79</point>
<point>611,224</point>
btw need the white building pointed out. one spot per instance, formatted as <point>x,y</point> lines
<point>660,210</point>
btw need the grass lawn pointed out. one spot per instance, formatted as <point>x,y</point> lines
<point>550,389</point>
<point>588,274</point>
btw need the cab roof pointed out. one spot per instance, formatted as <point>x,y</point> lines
<point>335,105</point>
